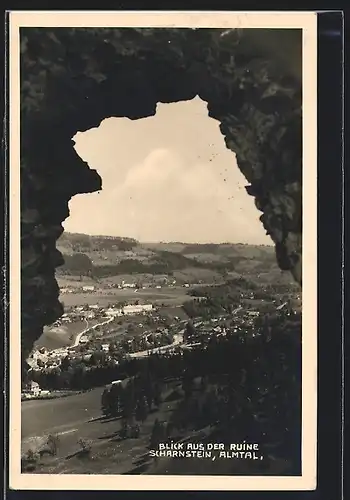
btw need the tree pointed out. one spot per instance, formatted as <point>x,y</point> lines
<point>158,435</point>
<point>78,377</point>
<point>189,331</point>
<point>113,349</point>
<point>142,409</point>
<point>85,446</point>
<point>116,399</point>
<point>187,384</point>
<point>105,403</point>
<point>52,443</point>
<point>125,428</point>
<point>157,394</point>
<point>129,400</point>
<point>40,363</point>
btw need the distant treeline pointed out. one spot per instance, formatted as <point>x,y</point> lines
<point>223,248</point>
<point>86,243</point>
<point>164,263</point>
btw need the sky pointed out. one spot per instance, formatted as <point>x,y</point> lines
<point>168,177</point>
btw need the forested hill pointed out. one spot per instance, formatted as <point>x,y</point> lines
<point>76,242</point>
<point>102,256</point>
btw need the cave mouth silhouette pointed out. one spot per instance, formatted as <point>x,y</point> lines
<point>148,169</point>
<point>73,78</point>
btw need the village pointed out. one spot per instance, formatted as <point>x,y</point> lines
<point>118,332</point>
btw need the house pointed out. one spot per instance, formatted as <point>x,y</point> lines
<point>33,388</point>
<point>128,285</point>
<point>253,313</point>
<point>105,347</point>
<point>88,288</point>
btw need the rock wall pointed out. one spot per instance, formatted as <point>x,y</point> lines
<point>73,78</point>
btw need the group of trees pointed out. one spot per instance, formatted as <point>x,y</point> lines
<point>31,458</point>
<point>133,400</point>
<point>246,387</point>
<point>77,264</point>
<point>132,397</point>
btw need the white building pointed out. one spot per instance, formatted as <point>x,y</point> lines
<point>88,288</point>
<point>113,312</point>
<point>137,308</point>
<point>128,285</point>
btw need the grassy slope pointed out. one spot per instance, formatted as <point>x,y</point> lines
<point>76,417</point>
<point>62,336</point>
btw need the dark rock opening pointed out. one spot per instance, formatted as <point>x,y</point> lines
<point>72,79</point>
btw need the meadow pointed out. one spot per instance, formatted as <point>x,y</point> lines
<point>169,296</point>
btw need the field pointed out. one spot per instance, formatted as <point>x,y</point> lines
<point>79,416</point>
<point>39,418</point>
<point>74,281</point>
<point>173,312</point>
<point>170,296</point>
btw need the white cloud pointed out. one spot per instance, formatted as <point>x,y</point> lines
<point>169,177</point>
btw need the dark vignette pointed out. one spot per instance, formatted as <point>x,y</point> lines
<point>329,151</point>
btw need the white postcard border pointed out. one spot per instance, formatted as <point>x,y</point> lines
<point>307,21</point>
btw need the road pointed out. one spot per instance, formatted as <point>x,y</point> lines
<point>178,340</point>
<point>88,328</point>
